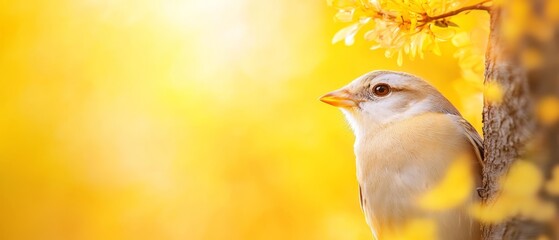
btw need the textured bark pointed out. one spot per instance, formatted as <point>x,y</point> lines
<point>511,129</point>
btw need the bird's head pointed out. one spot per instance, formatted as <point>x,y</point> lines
<point>382,97</point>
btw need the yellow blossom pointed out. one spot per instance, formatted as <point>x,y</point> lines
<point>401,27</point>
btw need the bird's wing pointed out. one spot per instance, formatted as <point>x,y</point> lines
<point>370,219</point>
<point>473,137</point>
<point>361,198</point>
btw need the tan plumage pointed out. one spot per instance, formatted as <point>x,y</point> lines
<point>405,142</point>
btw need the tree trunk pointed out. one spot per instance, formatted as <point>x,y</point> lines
<point>511,127</point>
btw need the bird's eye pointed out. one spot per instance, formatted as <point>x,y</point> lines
<point>381,90</point>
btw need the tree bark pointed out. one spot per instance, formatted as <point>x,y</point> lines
<point>511,128</point>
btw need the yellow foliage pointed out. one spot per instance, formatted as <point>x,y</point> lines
<point>461,39</point>
<point>547,110</point>
<point>520,20</point>
<point>524,179</point>
<point>402,27</point>
<point>454,189</point>
<point>518,197</point>
<point>552,11</point>
<point>493,92</point>
<point>417,229</point>
<point>552,187</point>
<point>516,21</point>
<point>344,16</point>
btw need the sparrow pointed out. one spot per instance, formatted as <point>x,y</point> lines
<point>407,134</point>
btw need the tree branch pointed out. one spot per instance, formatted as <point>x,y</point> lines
<point>479,6</point>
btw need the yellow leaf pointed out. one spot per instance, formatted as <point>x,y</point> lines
<point>493,92</point>
<point>552,187</point>
<point>400,60</point>
<point>420,45</point>
<point>345,15</point>
<point>518,196</point>
<point>417,229</point>
<point>437,48</point>
<point>454,189</point>
<point>495,211</point>
<point>547,110</point>
<point>469,60</point>
<point>523,179</point>
<point>345,33</point>
<point>413,24</point>
<point>461,39</point>
<point>388,53</point>
<point>538,210</point>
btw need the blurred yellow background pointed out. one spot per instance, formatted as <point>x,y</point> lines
<point>185,119</point>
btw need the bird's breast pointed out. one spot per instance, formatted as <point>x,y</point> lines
<point>400,161</point>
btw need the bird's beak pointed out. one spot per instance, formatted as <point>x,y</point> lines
<point>339,98</point>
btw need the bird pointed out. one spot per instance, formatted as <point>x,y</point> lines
<point>407,135</point>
